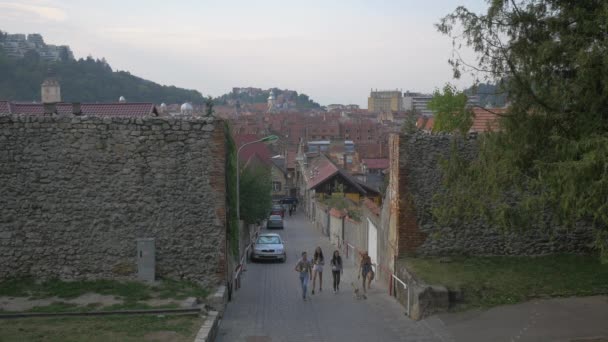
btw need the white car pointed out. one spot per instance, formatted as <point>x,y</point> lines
<point>269,246</point>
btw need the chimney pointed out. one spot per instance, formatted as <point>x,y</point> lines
<point>50,108</point>
<point>76,108</point>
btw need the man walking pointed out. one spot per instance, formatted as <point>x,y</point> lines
<point>304,268</point>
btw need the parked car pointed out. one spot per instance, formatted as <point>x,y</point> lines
<point>269,246</point>
<point>277,209</point>
<point>275,221</point>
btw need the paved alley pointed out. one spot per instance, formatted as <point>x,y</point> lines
<point>269,307</point>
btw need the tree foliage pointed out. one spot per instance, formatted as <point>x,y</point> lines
<point>255,197</point>
<point>451,111</point>
<point>551,154</point>
<point>302,101</point>
<point>83,80</point>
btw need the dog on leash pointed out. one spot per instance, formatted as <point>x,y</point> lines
<point>357,293</point>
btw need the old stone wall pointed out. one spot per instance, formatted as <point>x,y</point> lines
<point>420,178</point>
<point>77,192</point>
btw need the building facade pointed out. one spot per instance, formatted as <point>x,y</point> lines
<point>384,101</point>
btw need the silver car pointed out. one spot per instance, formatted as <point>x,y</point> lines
<point>269,246</point>
<point>274,221</point>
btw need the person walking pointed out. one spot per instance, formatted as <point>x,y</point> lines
<point>336,269</point>
<point>365,269</point>
<point>317,269</point>
<point>304,268</point>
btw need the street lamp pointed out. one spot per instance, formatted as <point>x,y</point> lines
<point>269,139</point>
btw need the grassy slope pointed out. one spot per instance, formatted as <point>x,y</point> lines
<point>490,281</point>
<point>132,293</point>
<point>113,328</point>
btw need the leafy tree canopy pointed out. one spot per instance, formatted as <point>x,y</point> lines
<point>451,111</point>
<point>83,80</point>
<point>551,154</point>
<point>255,196</point>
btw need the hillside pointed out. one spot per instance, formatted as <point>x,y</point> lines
<point>83,80</point>
<point>489,95</point>
<point>287,99</point>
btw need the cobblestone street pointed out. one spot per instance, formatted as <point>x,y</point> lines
<point>269,307</point>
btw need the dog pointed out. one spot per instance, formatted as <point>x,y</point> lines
<point>357,293</point>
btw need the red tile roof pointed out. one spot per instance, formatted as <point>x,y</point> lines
<point>291,157</point>
<point>486,120</point>
<point>373,207</point>
<point>322,168</point>
<point>373,150</point>
<point>260,149</point>
<point>131,109</point>
<point>376,163</point>
<point>336,213</point>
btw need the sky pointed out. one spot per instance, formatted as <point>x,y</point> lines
<point>333,50</point>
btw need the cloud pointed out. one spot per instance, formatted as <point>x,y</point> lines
<point>16,10</point>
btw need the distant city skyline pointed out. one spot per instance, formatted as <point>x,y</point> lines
<point>335,52</point>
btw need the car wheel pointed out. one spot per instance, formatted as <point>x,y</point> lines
<point>284,258</point>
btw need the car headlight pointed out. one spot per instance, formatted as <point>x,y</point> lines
<point>280,250</point>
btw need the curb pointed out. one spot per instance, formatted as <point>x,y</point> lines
<point>209,329</point>
<point>218,300</point>
<point>192,311</point>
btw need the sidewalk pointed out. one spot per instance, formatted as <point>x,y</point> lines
<point>579,319</point>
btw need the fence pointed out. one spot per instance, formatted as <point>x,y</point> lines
<point>240,268</point>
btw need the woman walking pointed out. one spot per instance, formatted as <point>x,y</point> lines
<point>365,270</point>
<point>336,269</point>
<point>317,269</point>
<point>303,267</point>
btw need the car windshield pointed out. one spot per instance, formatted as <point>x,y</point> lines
<point>275,218</point>
<point>268,240</point>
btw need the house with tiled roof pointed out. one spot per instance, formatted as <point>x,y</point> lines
<point>325,178</point>
<point>484,120</point>
<point>278,174</point>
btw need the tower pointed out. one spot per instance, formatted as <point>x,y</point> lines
<point>50,89</point>
<point>271,101</point>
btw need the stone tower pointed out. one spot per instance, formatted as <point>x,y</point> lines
<point>50,89</point>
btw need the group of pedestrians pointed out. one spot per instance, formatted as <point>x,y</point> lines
<point>313,269</point>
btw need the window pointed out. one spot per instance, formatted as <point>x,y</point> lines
<point>276,186</point>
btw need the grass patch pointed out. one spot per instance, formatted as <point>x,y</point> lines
<point>59,307</point>
<point>180,290</point>
<point>129,291</point>
<point>491,281</point>
<point>112,328</point>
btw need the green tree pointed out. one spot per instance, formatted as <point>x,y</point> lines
<point>84,80</point>
<point>451,112</point>
<point>209,106</point>
<point>551,154</point>
<point>255,197</point>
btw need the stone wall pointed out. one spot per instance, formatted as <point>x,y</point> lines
<point>420,178</point>
<point>77,192</point>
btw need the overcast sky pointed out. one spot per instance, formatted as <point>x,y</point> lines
<point>332,50</point>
